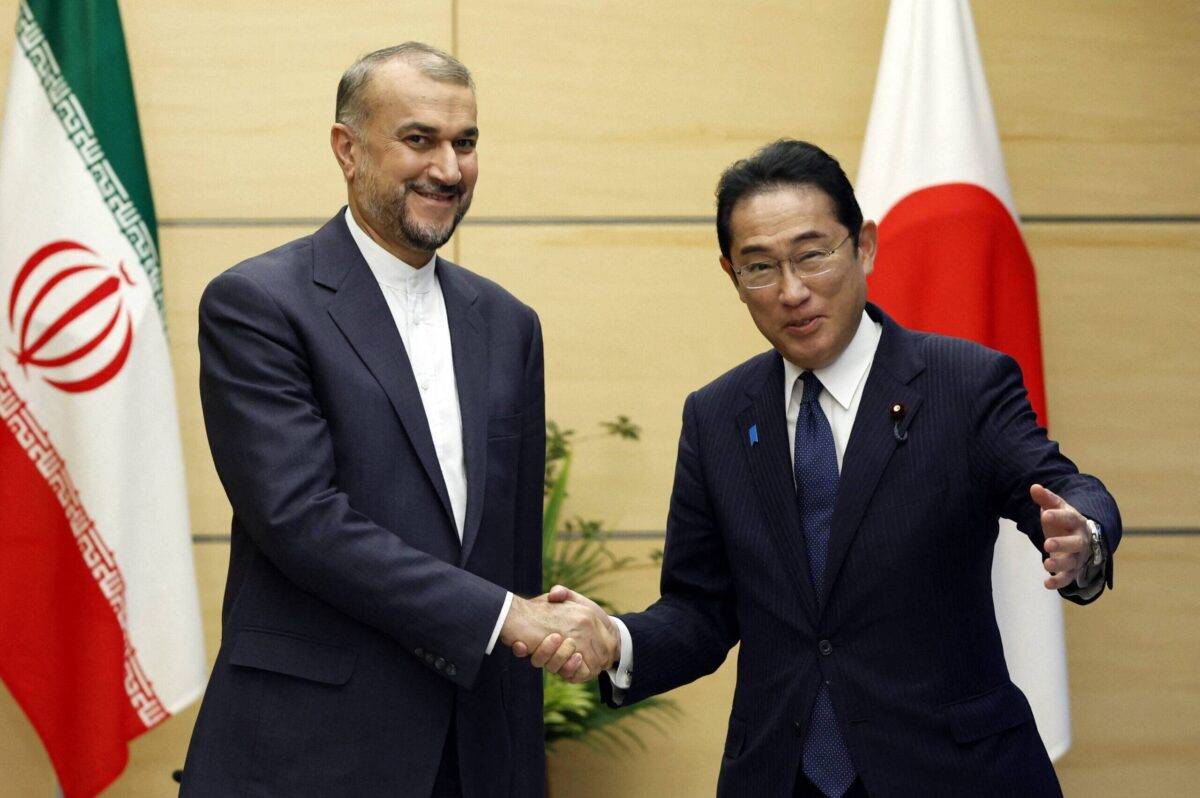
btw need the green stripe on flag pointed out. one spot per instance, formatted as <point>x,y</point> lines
<point>78,51</point>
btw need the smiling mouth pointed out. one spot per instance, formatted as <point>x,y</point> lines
<point>445,197</point>
<point>803,325</point>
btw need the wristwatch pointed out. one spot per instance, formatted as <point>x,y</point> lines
<point>1097,543</point>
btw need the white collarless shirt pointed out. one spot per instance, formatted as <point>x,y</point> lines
<point>414,296</point>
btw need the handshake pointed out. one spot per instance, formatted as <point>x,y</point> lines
<point>564,632</point>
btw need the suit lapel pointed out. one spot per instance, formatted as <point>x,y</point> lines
<point>872,438</point>
<point>469,342</point>
<point>771,469</point>
<point>361,313</point>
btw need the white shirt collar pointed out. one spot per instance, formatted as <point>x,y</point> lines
<point>841,377</point>
<point>387,268</point>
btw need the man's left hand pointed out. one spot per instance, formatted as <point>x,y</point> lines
<point>1068,543</point>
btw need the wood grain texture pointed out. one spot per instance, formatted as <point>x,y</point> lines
<point>634,108</point>
<point>1121,341</point>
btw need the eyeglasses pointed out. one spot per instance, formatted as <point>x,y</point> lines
<point>806,264</point>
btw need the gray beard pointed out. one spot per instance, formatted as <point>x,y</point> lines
<point>390,212</point>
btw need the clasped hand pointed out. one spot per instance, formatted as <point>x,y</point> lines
<point>564,632</point>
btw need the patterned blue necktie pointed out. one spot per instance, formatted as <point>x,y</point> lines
<point>826,759</point>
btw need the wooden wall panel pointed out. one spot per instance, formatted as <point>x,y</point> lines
<point>634,108</point>
<point>1097,105</point>
<point>1122,354</point>
<point>1135,687</point>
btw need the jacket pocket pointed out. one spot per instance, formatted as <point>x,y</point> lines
<point>988,713</point>
<point>281,652</point>
<point>736,738</point>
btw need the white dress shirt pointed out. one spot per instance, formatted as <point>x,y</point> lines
<point>414,296</point>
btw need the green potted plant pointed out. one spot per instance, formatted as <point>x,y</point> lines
<point>575,553</point>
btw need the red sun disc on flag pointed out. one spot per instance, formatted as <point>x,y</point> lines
<point>70,317</point>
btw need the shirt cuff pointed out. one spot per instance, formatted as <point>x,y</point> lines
<point>499,622</point>
<point>622,675</point>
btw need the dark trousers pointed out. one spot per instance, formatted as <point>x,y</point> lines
<point>805,789</point>
<point>448,783</point>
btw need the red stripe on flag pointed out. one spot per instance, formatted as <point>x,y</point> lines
<point>66,658</point>
<point>952,261</point>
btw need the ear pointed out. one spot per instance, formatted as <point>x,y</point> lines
<point>728,269</point>
<point>341,140</point>
<point>868,241</point>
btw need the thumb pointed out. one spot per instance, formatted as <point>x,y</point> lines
<point>558,594</point>
<point>1046,499</point>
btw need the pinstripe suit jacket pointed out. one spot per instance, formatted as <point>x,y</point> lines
<point>903,628</point>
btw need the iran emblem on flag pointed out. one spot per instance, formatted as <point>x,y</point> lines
<point>951,260</point>
<point>98,609</point>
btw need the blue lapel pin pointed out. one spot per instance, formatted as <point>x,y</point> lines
<point>753,434</point>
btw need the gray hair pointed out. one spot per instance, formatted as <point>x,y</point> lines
<point>429,61</point>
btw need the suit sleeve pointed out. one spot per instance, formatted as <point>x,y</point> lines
<point>688,632</point>
<point>1013,453</point>
<point>274,454</point>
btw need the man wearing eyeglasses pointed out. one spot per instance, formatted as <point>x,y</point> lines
<point>835,508</point>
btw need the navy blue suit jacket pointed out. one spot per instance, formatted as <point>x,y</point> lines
<point>354,623</point>
<point>903,629</point>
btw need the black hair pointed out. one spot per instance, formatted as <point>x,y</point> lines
<point>786,162</point>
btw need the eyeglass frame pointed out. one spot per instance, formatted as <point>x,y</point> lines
<point>823,255</point>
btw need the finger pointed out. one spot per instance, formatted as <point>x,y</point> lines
<point>1056,565</point>
<point>519,649</point>
<point>1060,580</point>
<point>572,666</point>
<point>1063,518</point>
<point>582,674</point>
<point>546,649</point>
<point>1045,498</point>
<point>559,593</point>
<point>560,657</point>
<point>1073,543</point>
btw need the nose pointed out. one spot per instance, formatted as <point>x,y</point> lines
<point>792,288</point>
<point>443,165</point>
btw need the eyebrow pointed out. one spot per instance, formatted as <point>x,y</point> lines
<point>751,249</point>
<point>430,130</point>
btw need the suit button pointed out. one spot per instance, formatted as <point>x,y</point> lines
<point>798,728</point>
<point>825,647</point>
<point>441,663</point>
<point>429,658</point>
<point>420,652</point>
<point>451,670</point>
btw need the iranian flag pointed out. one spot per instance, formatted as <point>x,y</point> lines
<point>951,260</point>
<point>99,623</point>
